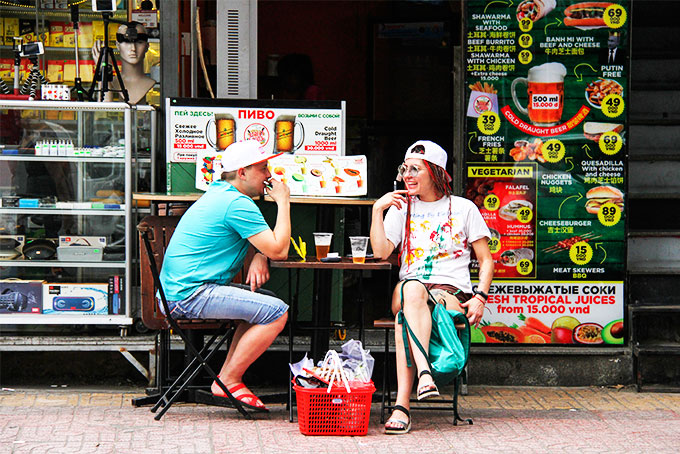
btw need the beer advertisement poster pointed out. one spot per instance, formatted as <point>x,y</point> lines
<point>199,131</point>
<point>546,86</point>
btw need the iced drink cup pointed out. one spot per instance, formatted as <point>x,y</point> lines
<point>322,241</point>
<point>359,245</point>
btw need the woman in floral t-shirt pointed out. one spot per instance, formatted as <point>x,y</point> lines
<point>435,232</point>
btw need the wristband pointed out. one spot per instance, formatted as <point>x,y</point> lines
<point>481,293</point>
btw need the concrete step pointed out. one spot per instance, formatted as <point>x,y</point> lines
<point>658,255</point>
<point>657,140</point>
<point>650,74</point>
<point>654,178</point>
<point>645,105</point>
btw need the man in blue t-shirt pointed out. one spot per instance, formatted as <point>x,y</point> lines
<point>208,249</point>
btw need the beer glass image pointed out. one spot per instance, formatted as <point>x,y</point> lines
<point>287,130</point>
<point>225,131</point>
<point>545,90</point>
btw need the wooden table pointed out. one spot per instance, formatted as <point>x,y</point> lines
<point>319,343</point>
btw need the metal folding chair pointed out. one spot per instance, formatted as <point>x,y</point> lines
<point>430,404</point>
<point>199,359</point>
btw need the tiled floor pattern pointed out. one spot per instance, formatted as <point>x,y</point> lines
<point>508,420</point>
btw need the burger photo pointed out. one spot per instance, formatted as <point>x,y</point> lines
<point>599,195</point>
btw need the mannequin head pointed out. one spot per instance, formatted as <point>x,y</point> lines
<point>132,42</point>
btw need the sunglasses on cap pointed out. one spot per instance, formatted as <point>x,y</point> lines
<point>130,37</point>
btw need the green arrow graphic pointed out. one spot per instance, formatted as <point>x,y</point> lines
<point>473,135</point>
<point>578,75</point>
<point>570,160</point>
<point>599,246</point>
<point>587,149</point>
<point>557,22</point>
<point>498,1</point>
<point>559,210</point>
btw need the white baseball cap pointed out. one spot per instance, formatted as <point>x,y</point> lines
<point>428,151</point>
<point>244,154</point>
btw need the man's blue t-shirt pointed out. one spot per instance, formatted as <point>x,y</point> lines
<point>210,241</point>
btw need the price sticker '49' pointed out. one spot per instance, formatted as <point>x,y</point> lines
<point>553,150</point>
<point>610,143</point>
<point>615,16</point>
<point>612,105</point>
<point>525,215</point>
<point>494,245</point>
<point>492,202</point>
<point>488,123</point>
<point>581,253</point>
<point>609,214</point>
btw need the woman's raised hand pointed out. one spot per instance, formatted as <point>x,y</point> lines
<point>394,198</point>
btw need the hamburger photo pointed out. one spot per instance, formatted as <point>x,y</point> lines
<point>600,195</point>
<point>509,211</point>
<point>593,130</point>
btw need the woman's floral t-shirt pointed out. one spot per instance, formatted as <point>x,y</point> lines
<point>440,245</point>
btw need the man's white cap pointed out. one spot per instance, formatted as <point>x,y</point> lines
<point>244,154</point>
<point>428,151</point>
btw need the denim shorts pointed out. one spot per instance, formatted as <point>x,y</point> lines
<point>215,301</point>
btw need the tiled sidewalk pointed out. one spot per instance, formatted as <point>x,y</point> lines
<point>509,420</point>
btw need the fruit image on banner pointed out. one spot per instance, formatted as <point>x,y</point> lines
<point>546,133</point>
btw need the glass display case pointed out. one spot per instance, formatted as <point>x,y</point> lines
<point>67,223</point>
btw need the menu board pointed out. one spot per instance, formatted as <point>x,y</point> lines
<point>545,137</point>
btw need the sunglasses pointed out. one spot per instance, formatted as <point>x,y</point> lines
<point>132,37</point>
<point>411,171</point>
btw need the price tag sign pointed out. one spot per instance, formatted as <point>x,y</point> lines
<point>492,202</point>
<point>525,267</point>
<point>525,56</point>
<point>612,105</point>
<point>609,214</point>
<point>526,24</point>
<point>494,245</point>
<point>615,16</point>
<point>581,253</point>
<point>525,215</point>
<point>553,150</point>
<point>610,143</point>
<point>525,40</point>
<point>488,123</point>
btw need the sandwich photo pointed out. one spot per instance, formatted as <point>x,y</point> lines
<point>600,195</point>
<point>513,256</point>
<point>586,14</point>
<point>509,210</point>
<point>593,130</point>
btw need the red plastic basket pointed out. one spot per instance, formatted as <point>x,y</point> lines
<point>334,413</point>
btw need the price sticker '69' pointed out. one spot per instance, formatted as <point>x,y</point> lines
<point>525,40</point>
<point>525,267</point>
<point>581,253</point>
<point>553,150</point>
<point>525,215</point>
<point>610,143</point>
<point>488,123</point>
<point>492,202</point>
<point>615,16</point>
<point>613,105</point>
<point>609,214</point>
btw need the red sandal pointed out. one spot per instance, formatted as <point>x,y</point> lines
<point>248,401</point>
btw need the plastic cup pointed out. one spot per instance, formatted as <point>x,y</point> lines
<point>359,246</point>
<point>322,241</point>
